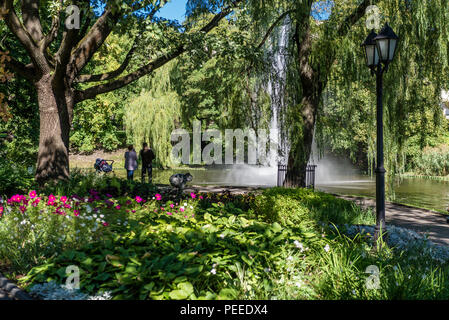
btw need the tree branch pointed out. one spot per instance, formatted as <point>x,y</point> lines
<point>51,36</point>
<point>31,20</point>
<point>109,75</point>
<point>92,41</point>
<point>270,29</point>
<point>26,71</point>
<point>354,17</point>
<point>14,24</point>
<point>92,92</point>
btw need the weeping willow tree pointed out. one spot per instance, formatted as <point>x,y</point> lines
<point>151,117</point>
<point>412,85</point>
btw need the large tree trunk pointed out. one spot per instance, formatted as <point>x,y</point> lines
<point>313,81</point>
<point>54,105</point>
<point>304,114</point>
<point>301,146</point>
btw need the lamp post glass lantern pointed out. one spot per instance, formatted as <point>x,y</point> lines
<point>386,42</point>
<point>371,53</point>
<point>379,52</point>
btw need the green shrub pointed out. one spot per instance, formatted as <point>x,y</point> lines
<point>433,161</point>
<point>269,246</point>
<point>205,252</point>
<point>80,183</point>
<point>14,178</point>
<point>294,206</point>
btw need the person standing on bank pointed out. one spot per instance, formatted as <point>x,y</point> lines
<point>130,162</point>
<point>147,155</point>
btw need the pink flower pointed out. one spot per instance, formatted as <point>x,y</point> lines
<point>16,198</point>
<point>158,196</point>
<point>162,209</point>
<point>193,195</point>
<point>63,199</point>
<point>36,202</point>
<point>133,211</point>
<point>138,199</point>
<point>117,207</point>
<point>1,211</point>
<point>172,205</point>
<point>201,197</point>
<point>51,198</point>
<point>105,224</point>
<point>182,209</point>
<point>67,206</point>
<point>23,209</point>
<point>76,213</point>
<point>169,213</point>
<point>32,194</point>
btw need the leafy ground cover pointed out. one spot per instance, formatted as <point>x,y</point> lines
<point>281,244</point>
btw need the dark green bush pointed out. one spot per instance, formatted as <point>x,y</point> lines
<point>81,183</point>
<point>14,178</point>
<point>294,206</point>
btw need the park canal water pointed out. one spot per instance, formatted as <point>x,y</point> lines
<point>419,192</point>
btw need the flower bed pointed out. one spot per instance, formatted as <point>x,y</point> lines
<point>277,245</point>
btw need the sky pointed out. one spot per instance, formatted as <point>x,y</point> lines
<point>174,10</point>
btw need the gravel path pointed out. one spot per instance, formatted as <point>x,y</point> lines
<point>432,223</point>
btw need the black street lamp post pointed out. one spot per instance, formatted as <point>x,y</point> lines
<point>379,52</point>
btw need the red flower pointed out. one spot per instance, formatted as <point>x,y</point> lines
<point>32,194</point>
<point>36,202</point>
